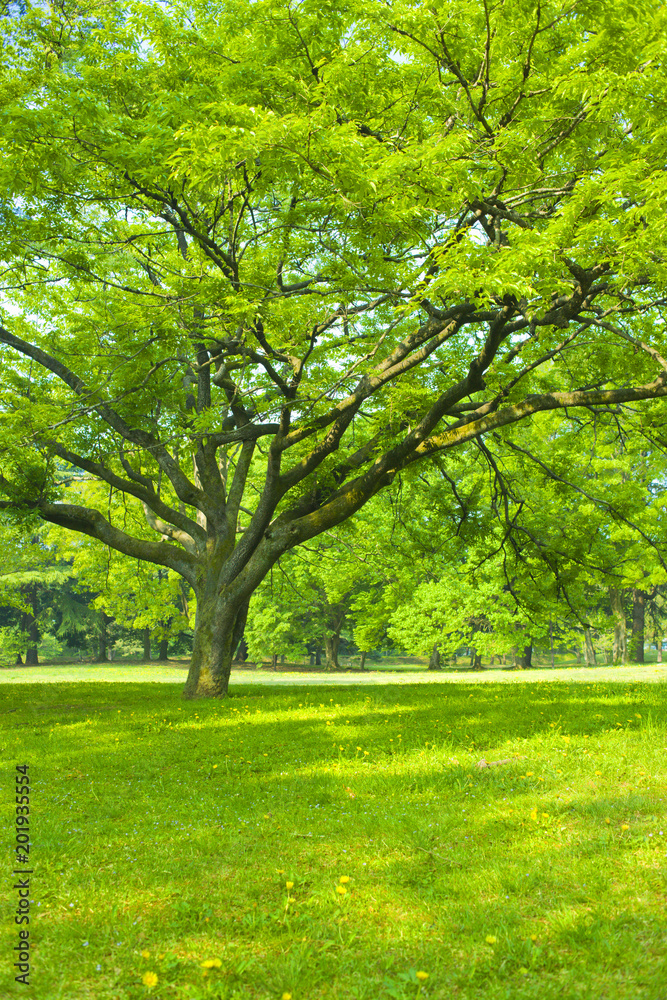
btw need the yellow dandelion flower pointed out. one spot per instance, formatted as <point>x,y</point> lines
<point>598,772</point>
<point>287,996</point>
<point>607,820</point>
<point>533,937</point>
<point>343,879</point>
<point>145,954</point>
<point>289,885</point>
<point>421,976</point>
<point>490,939</point>
<point>211,963</point>
<point>149,979</point>
<point>624,826</point>
<point>529,774</point>
<point>341,890</point>
<point>533,814</point>
<point>523,971</point>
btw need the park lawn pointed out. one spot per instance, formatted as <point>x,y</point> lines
<point>168,834</point>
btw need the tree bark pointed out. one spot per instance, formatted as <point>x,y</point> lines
<point>219,624</point>
<point>146,639</point>
<point>102,639</point>
<point>527,657</point>
<point>638,622</point>
<point>163,650</point>
<point>589,649</point>
<point>434,661</point>
<point>619,651</point>
<point>30,626</point>
<point>242,651</point>
<point>31,657</point>
<point>362,661</point>
<point>475,659</point>
<point>331,651</point>
<point>658,646</point>
<point>551,646</point>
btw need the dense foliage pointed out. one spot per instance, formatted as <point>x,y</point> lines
<point>259,259</point>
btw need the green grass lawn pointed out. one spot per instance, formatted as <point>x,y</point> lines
<point>336,842</point>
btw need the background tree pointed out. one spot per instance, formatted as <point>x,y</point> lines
<point>333,239</point>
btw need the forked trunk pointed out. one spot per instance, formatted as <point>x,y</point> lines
<point>219,625</point>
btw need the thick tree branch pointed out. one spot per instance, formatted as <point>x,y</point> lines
<point>88,521</point>
<point>185,490</point>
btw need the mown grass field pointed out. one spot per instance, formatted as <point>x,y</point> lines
<point>191,850</point>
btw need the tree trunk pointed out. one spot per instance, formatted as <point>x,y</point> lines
<point>242,651</point>
<point>434,661</point>
<point>318,656</point>
<point>274,661</point>
<point>476,660</point>
<point>527,658</point>
<point>146,638</point>
<point>163,650</point>
<point>30,626</point>
<point>619,651</point>
<point>658,646</point>
<point>19,659</point>
<point>638,619</point>
<point>331,651</point>
<point>551,646</point>
<point>589,649</point>
<point>102,638</point>
<point>362,662</point>
<point>219,625</point>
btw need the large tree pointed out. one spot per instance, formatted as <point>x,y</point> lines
<point>317,241</point>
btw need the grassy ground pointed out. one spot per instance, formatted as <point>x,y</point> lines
<point>168,834</point>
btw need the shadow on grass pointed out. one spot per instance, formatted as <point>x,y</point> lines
<point>173,827</point>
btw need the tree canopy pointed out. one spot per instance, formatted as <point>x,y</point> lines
<point>258,258</point>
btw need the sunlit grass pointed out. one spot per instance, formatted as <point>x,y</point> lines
<point>338,842</point>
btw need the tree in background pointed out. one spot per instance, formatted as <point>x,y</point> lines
<point>332,240</point>
<point>122,592</point>
<point>573,542</point>
<point>35,591</point>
